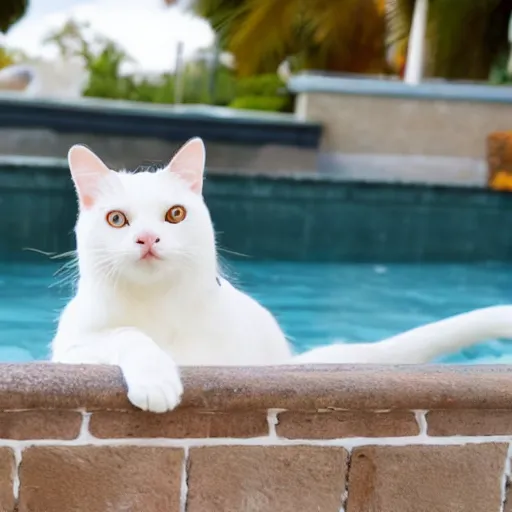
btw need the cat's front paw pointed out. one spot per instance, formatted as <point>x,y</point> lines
<point>154,386</point>
<point>153,380</point>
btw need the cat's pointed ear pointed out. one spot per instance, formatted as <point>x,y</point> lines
<point>188,163</point>
<point>87,170</point>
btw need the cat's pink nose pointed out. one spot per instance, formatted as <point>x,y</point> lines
<point>147,239</point>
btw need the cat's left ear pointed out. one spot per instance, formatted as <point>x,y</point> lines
<point>188,163</point>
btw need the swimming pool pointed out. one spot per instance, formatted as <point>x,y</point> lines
<point>315,303</point>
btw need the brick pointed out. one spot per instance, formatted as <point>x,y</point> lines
<point>339,424</point>
<point>49,424</point>
<point>469,422</point>
<point>179,424</point>
<point>426,478</point>
<point>100,479</point>
<point>266,478</point>
<point>7,469</point>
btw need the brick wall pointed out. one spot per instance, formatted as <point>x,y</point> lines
<point>351,439</point>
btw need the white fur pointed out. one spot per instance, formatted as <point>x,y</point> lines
<point>423,344</point>
<point>145,316</point>
<point>148,317</point>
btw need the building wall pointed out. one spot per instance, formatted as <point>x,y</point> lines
<point>390,131</point>
<point>129,134</point>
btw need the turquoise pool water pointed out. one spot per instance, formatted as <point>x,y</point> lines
<point>315,303</point>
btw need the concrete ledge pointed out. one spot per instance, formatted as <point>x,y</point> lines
<point>167,122</point>
<point>261,439</point>
<point>395,88</point>
<point>359,387</point>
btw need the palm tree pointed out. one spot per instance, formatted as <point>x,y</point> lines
<point>463,38</point>
<point>10,12</point>
<point>341,35</point>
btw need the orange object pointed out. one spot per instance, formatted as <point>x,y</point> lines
<point>499,160</point>
<point>501,181</point>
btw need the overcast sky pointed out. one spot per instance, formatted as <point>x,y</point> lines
<point>146,29</point>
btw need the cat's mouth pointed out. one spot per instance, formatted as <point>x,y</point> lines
<point>149,255</point>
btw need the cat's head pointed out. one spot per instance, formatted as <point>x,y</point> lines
<point>146,227</point>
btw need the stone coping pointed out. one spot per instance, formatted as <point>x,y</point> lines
<point>166,122</point>
<point>311,83</point>
<point>355,387</point>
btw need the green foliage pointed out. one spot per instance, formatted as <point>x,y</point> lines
<point>225,86</point>
<point>463,37</point>
<point>267,103</point>
<point>105,59</point>
<point>499,74</point>
<point>336,35</point>
<point>10,12</point>
<point>223,16</point>
<point>5,58</point>
<point>198,88</point>
<point>9,56</point>
<point>262,92</point>
<point>268,84</point>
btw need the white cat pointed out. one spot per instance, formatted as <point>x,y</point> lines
<point>149,293</point>
<point>150,296</point>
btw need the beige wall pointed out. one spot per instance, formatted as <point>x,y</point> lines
<point>411,138</point>
<point>258,440</point>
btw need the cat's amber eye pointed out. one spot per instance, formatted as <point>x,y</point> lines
<point>117,219</point>
<point>176,214</point>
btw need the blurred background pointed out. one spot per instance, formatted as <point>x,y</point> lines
<point>359,151</point>
<point>241,52</point>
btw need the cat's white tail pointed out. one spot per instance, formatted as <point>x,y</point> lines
<point>420,345</point>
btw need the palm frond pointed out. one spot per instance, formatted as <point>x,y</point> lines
<point>264,35</point>
<point>463,37</point>
<point>348,35</point>
<point>223,16</point>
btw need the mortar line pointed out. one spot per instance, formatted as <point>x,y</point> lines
<point>16,472</point>
<point>505,478</point>
<point>347,443</point>
<point>184,481</point>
